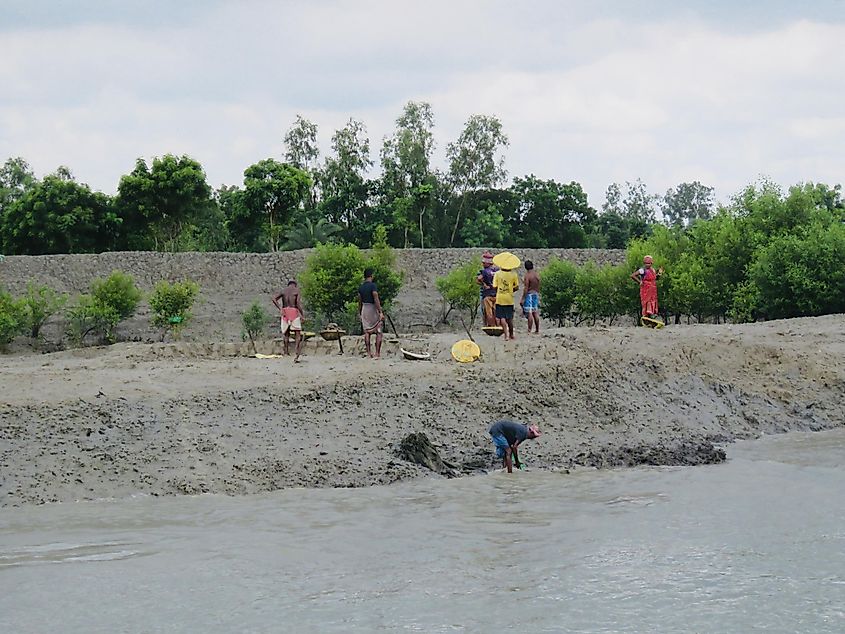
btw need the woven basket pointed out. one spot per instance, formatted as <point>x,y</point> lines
<point>332,335</point>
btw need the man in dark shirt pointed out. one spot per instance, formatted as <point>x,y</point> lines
<point>370,312</point>
<point>507,435</point>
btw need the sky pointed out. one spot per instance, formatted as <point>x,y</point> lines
<point>596,92</point>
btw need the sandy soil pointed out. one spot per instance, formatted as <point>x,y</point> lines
<point>188,418</point>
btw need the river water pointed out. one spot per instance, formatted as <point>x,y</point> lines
<point>755,544</point>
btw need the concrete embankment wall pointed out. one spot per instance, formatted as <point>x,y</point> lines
<point>229,282</point>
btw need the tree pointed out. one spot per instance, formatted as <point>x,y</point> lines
<point>302,151</point>
<point>406,166</point>
<point>16,178</point>
<point>343,177</point>
<point>548,214</point>
<point>474,160</point>
<point>687,202</point>
<point>272,193</point>
<point>803,273</point>
<point>627,217</point>
<point>309,234</point>
<point>638,208</point>
<point>301,148</point>
<point>59,215</point>
<point>487,229</point>
<point>160,202</point>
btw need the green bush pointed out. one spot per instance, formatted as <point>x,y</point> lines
<point>599,293</point>
<point>689,290</point>
<point>12,319</point>
<point>171,304</point>
<point>333,273</point>
<point>39,304</point>
<point>90,317</point>
<point>254,320</point>
<point>460,290</point>
<point>111,300</point>
<point>558,279</point>
<point>745,303</point>
<point>800,275</point>
<point>117,292</point>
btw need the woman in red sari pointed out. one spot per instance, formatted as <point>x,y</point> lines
<point>647,279</point>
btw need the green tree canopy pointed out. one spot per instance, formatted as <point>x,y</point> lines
<point>161,201</point>
<point>59,215</point>
<point>260,213</point>
<point>545,213</point>
<point>476,161</point>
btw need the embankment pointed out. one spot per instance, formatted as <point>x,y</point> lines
<point>230,282</point>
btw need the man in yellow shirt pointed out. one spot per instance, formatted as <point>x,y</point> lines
<point>506,283</point>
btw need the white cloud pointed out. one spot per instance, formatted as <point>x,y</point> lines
<point>583,96</point>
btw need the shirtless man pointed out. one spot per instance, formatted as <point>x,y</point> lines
<point>531,297</point>
<point>292,316</point>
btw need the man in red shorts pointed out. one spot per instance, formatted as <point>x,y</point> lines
<point>292,316</point>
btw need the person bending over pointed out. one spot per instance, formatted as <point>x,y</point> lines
<point>507,436</point>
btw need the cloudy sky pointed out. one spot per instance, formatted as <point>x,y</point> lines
<point>593,91</point>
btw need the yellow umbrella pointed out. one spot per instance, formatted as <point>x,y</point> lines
<point>466,351</point>
<point>507,261</point>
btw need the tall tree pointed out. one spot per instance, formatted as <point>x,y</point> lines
<point>302,151</point>
<point>272,193</point>
<point>343,177</point>
<point>59,215</point>
<point>161,201</point>
<point>475,161</point>
<point>406,165</point>
<point>16,178</point>
<point>638,208</point>
<point>686,203</point>
<point>546,213</point>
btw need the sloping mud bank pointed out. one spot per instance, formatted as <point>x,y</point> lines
<point>191,418</point>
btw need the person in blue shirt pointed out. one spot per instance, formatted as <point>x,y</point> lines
<point>507,436</point>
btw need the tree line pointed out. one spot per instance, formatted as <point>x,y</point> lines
<point>768,254</point>
<point>301,199</point>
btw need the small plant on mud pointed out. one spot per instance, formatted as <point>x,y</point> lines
<point>460,290</point>
<point>39,304</point>
<point>112,300</point>
<point>171,304</point>
<point>90,317</point>
<point>12,321</point>
<point>117,292</point>
<point>254,320</point>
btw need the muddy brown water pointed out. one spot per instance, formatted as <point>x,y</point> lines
<point>754,544</point>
